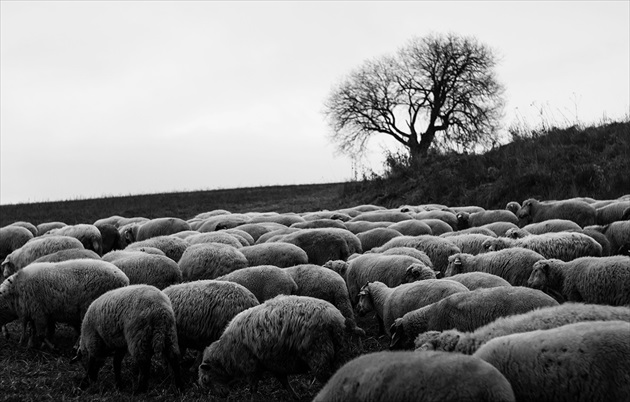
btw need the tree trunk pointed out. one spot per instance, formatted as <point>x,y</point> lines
<point>415,152</point>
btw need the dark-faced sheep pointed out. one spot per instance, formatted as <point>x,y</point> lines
<point>322,245</point>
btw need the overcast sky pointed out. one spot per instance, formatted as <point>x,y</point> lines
<point>118,98</point>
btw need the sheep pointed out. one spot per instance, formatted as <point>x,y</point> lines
<point>466,311</point>
<point>333,215</point>
<point>45,293</point>
<point>513,206</point>
<point>363,226</point>
<point>339,266</point>
<point>35,248</point>
<point>149,269</point>
<point>284,335</point>
<point>27,225</point>
<point>319,223</point>
<point>446,216</point>
<point>245,238</point>
<point>376,237</point>
<point>585,361</point>
<point>419,272</point>
<point>214,237</point>
<point>410,252</point>
<point>598,237</point>
<point>470,243</point>
<point>392,303</point>
<point>264,281</point>
<point>88,235</point>
<point>466,220</point>
<point>116,254</point>
<point>279,254</point>
<point>110,220</point>
<point>210,260</point>
<point>283,219</point>
<point>219,222</point>
<point>172,247</point>
<point>617,233</point>
<point>110,237</point>
<point>275,235</point>
<point>437,248</point>
<point>358,209</point>
<point>479,280</point>
<point>513,264</point>
<point>412,376</point>
<point>551,225</point>
<point>45,227</point>
<point>322,245</point>
<point>499,228</point>
<point>473,230</point>
<point>533,211</point>
<point>69,254</point>
<point>565,246</point>
<point>389,269</point>
<point>411,227</point>
<point>438,226</point>
<point>382,216</point>
<point>256,230</point>
<point>321,283</point>
<point>12,238</point>
<point>161,227</point>
<point>599,280</point>
<point>138,319</point>
<point>543,318</point>
<point>611,213</point>
<point>204,308</point>
<point>211,214</point>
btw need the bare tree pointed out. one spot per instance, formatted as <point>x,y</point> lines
<point>436,91</point>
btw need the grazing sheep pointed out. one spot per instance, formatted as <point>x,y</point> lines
<point>611,213</point>
<point>279,254</point>
<point>419,272</point>
<point>469,208</point>
<point>449,217</point>
<point>512,264</point>
<point>27,225</point>
<point>618,235</point>
<point>565,246</point>
<point>88,235</point>
<point>363,226</point>
<point>283,219</point>
<point>204,308</point>
<point>275,235</point>
<point>116,254</point>
<point>382,216</point>
<point>45,227</point>
<point>241,234</point>
<point>466,220</point>
<point>333,215</point>
<point>110,220</point>
<point>467,311</point>
<point>412,376</point>
<point>161,227</point>
<point>339,266</point>
<point>256,230</point>
<point>551,225</point>
<point>264,281</point>
<point>470,243</point>
<point>110,237</point>
<point>598,280</point>
<point>392,303</point>
<point>138,319</point>
<point>45,293</point>
<point>376,237</point>
<point>543,318</point>
<point>173,247</point>
<point>319,223</point>
<point>411,227</point>
<point>438,226</point>
<point>474,230</point>
<point>513,207</point>
<point>214,237</point>
<point>12,238</point>
<point>285,335</point>
<point>499,228</point>
<point>598,237</point>
<point>149,269</point>
<point>322,283</point>
<point>437,248</point>
<point>479,280</point>
<point>322,245</point>
<point>35,248</point>
<point>69,254</point>
<point>585,361</point>
<point>410,252</point>
<point>533,211</point>
<point>227,221</point>
<point>210,260</point>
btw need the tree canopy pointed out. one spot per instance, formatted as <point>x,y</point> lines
<point>438,90</point>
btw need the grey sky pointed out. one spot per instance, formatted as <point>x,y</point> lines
<point>117,98</point>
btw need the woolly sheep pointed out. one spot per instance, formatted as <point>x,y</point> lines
<point>389,269</point>
<point>376,237</point>
<point>585,361</point>
<point>204,308</point>
<point>598,237</point>
<point>382,216</point>
<point>161,227</point>
<point>45,227</point>
<point>551,225</point>
<point>279,254</point>
<point>411,227</point>
<point>466,220</point>
<point>419,272</point>
<point>499,228</point>
<point>138,319</point>
<point>479,280</point>
<point>533,211</point>
<point>437,248</point>
<point>275,235</point>
<point>35,248</point>
<point>470,243</point>
<point>27,225</point>
<point>116,254</point>
<point>412,376</point>
<point>285,335</point>
<point>363,226</point>
<point>392,303</point>
<point>438,226</point>
<point>321,283</point>
<point>600,280</point>
<point>410,252</point>
<point>241,235</point>
<point>474,230</point>
<point>149,269</point>
<point>283,219</point>
<point>565,246</point>
<point>256,230</point>
<point>617,233</point>
<point>338,266</point>
<point>219,222</point>
<point>110,237</point>
<point>213,213</point>
<point>322,245</point>
<point>12,238</point>
<point>448,217</point>
<point>110,220</point>
<point>172,247</point>
<point>214,237</point>
<point>88,235</point>
<point>611,213</point>
<point>264,281</point>
<point>543,318</point>
<point>69,254</point>
<point>513,207</point>
<point>46,293</point>
<point>512,264</point>
<point>210,260</point>
<point>358,209</point>
<point>319,223</point>
<point>466,311</point>
<point>333,215</point>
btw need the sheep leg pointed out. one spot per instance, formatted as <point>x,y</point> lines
<point>144,367</point>
<point>93,367</point>
<point>173,359</point>
<point>118,358</point>
<point>284,380</point>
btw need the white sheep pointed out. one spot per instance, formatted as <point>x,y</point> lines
<point>275,235</point>
<point>565,246</point>
<point>479,280</point>
<point>410,252</point>
<point>512,264</point>
<point>412,376</point>
<point>241,235</point>
<point>480,230</point>
<point>226,221</point>
<point>376,237</point>
<point>600,280</point>
<point>533,211</point>
<point>173,247</point>
<point>363,226</point>
<point>618,235</point>
<point>611,212</point>
<point>214,237</point>
<point>161,227</point>
<point>27,225</point>
<point>437,248</point>
<point>449,217</point>
<point>411,227</point>
<point>264,281</point>
<point>279,254</point>
<point>136,319</point>
<point>438,226</point>
<point>319,223</point>
<point>44,293</point>
<point>325,244</point>
<point>68,254</point>
<point>256,230</point>
<point>116,254</point>
<point>551,225</point>
<point>391,303</point>
<point>210,260</point>
<point>12,238</point>
<point>543,318</point>
<point>287,219</point>
<point>585,361</point>
<point>88,235</point>
<point>466,311</point>
<point>285,335</point>
<point>499,228</point>
<point>470,243</point>
<point>35,248</point>
<point>466,220</point>
<point>149,269</point>
<point>45,227</point>
<point>382,216</point>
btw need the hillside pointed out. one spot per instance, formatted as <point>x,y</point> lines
<point>561,163</point>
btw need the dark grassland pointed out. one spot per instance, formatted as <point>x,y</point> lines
<point>557,164</point>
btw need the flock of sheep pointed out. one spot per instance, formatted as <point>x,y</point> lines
<point>531,302</point>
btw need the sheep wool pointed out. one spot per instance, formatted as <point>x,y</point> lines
<point>87,234</point>
<point>35,248</point>
<point>264,281</point>
<point>12,238</point>
<point>279,254</point>
<point>585,361</point>
<point>437,248</point>
<point>479,280</point>
<point>149,269</point>
<point>210,260</point>
<point>533,211</point>
<point>173,247</point>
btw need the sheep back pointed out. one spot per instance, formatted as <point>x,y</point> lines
<point>35,248</point>
<point>264,281</point>
<point>479,280</point>
<point>210,260</point>
<point>150,269</point>
<point>173,247</point>
<point>161,227</point>
<point>12,238</point>
<point>533,211</point>
<point>279,254</point>
<point>437,248</point>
